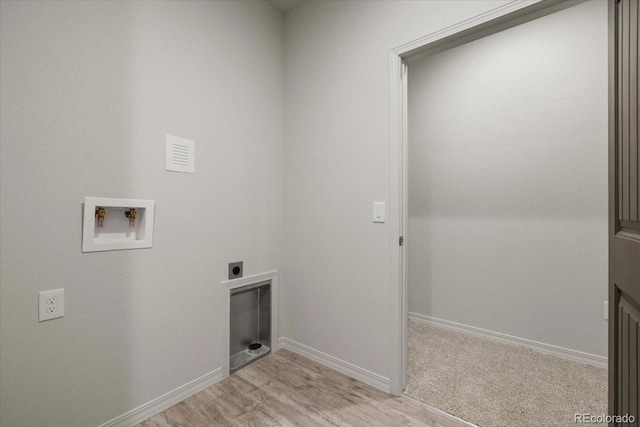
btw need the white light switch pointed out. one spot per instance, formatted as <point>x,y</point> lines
<point>378,211</point>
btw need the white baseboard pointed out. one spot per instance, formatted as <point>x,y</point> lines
<point>565,353</point>
<point>346,368</point>
<point>154,407</point>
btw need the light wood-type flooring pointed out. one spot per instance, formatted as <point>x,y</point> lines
<point>285,389</point>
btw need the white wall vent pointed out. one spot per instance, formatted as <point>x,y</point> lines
<point>181,156</point>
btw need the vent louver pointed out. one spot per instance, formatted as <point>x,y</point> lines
<point>180,154</point>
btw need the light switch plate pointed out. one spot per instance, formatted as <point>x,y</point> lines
<point>379,211</point>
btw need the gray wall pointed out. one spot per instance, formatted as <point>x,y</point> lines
<point>335,296</point>
<point>89,90</point>
<point>508,181</point>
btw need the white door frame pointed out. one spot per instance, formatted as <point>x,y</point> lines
<point>506,16</point>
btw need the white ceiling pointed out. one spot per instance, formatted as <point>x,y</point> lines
<point>284,6</point>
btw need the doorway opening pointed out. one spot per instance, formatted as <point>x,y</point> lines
<point>504,201</point>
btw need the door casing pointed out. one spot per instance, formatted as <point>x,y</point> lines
<point>509,15</point>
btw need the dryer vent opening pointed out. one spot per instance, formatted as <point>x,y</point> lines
<point>250,324</point>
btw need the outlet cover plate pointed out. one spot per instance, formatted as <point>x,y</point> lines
<point>50,304</point>
<point>235,270</point>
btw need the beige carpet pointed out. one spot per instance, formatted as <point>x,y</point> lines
<point>493,384</point>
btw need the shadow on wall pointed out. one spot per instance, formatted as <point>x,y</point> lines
<point>67,100</point>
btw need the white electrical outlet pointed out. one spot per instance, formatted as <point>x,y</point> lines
<point>606,310</point>
<point>51,304</point>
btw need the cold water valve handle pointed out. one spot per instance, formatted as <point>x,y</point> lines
<point>131,214</point>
